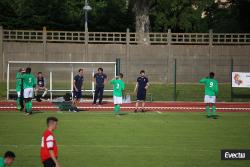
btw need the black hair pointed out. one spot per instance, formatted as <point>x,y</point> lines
<point>80,70</point>
<point>39,73</point>
<point>121,75</point>
<point>101,69</point>
<point>211,75</point>
<point>28,70</point>
<point>142,71</point>
<point>50,119</point>
<point>9,154</point>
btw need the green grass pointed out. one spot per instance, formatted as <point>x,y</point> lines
<point>2,90</point>
<point>163,92</point>
<point>132,140</point>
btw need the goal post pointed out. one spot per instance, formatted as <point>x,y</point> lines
<point>62,72</point>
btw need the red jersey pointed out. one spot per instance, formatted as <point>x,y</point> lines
<point>48,143</point>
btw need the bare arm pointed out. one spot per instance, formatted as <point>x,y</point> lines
<point>44,83</point>
<point>93,78</point>
<point>146,87</point>
<point>75,85</point>
<point>52,155</point>
<point>203,80</point>
<point>105,80</point>
<point>136,87</point>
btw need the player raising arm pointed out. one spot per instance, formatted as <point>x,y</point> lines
<point>118,88</point>
<point>211,91</point>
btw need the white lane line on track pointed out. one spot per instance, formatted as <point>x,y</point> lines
<point>156,108</point>
<point>82,107</point>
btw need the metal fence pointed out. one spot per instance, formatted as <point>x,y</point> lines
<point>127,37</point>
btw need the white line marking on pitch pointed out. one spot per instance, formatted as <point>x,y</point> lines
<point>105,146</point>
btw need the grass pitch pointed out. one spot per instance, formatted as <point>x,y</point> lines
<point>100,139</point>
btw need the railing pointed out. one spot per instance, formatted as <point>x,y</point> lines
<point>22,35</point>
<point>65,36</point>
<point>127,37</point>
<point>190,38</point>
<point>231,38</point>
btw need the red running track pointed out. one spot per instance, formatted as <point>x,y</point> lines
<point>150,106</point>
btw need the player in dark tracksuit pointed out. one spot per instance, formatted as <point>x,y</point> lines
<point>77,90</point>
<point>100,79</point>
<point>141,89</point>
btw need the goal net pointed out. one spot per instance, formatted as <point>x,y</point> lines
<point>59,76</point>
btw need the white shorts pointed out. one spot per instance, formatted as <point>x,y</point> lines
<point>28,93</point>
<point>117,100</point>
<point>209,99</point>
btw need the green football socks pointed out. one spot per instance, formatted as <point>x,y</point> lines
<point>208,111</point>
<point>117,109</point>
<point>18,103</point>
<point>28,106</point>
<point>214,110</point>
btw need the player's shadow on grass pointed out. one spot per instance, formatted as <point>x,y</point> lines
<point>37,112</point>
<point>121,114</point>
<point>212,117</point>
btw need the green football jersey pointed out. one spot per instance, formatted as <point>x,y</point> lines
<point>118,87</point>
<point>2,162</point>
<point>18,81</point>
<point>29,81</point>
<point>211,86</point>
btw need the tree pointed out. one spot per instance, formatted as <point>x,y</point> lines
<point>7,13</point>
<point>141,9</point>
<point>142,16</point>
<point>179,16</point>
<point>112,15</point>
<point>230,16</point>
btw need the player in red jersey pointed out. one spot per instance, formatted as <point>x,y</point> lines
<point>49,152</point>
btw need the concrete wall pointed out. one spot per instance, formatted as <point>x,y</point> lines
<point>193,61</point>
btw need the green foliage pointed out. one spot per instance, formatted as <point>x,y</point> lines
<point>118,15</point>
<point>235,18</point>
<point>178,15</point>
<point>112,15</point>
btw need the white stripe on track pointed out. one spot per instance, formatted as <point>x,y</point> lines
<point>155,108</point>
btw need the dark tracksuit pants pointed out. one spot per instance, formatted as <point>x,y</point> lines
<point>98,91</point>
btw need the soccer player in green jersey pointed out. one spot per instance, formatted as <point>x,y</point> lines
<point>29,82</point>
<point>211,91</point>
<point>19,88</point>
<point>118,88</point>
<point>8,159</point>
